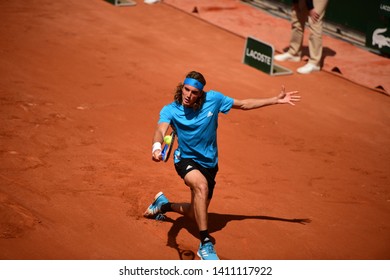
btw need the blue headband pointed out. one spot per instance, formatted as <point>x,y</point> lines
<point>194,83</point>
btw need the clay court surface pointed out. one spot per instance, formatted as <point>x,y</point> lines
<point>81,86</point>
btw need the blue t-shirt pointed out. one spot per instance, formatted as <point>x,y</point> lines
<point>197,130</point>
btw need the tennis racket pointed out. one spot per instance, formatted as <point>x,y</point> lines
<point>166,152</point>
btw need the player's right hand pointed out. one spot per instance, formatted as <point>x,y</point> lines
<point>156,155</point>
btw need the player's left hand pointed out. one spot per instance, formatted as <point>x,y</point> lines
<point>288,97</point>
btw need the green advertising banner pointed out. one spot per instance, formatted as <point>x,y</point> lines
<point>258,55</point>
<point>384,8</point>
<point>368,19</point>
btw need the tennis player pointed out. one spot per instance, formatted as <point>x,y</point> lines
<point>194,115</point>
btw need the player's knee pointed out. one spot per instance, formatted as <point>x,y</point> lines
<point>202,189</point>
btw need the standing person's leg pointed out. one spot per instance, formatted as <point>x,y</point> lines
<point>299,17</point>
<point>316,30</point>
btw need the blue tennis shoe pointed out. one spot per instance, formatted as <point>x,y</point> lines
<point>154,209</point>
<point>207,251</point>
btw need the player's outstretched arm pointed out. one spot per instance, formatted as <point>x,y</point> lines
<point>283,97</point>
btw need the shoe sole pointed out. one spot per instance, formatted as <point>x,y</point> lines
<point>203,258</point>
<point>157,196</point>
<point>294,59</point>
<point>147,213</point>
<point>314,70</point>
<point>291,59</point>
<point>200,256</point>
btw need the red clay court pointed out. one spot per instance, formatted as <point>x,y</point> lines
<point>82,83</point>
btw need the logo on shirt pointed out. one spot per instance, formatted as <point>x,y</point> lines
<point>209,114</point>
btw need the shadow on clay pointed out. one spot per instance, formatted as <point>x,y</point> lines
<point>216,223</point>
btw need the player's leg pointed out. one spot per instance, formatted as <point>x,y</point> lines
<point>199,198</point>
<point>200,201</point>
<point>185,208</point>
<point>161,204</point>
<point>196,181</point>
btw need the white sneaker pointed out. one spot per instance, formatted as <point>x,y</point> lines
<point>287,57</point>
<point>151,1</point>
<point>308,68</point>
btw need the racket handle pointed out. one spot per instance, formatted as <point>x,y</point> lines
<point>164,151</point>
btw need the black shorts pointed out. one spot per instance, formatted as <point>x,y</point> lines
<point>186,165</point>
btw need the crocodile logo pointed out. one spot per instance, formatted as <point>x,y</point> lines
<point>379,39</point>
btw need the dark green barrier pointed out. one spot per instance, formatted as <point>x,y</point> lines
<point>378,29</point>
<point>370,18</point>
